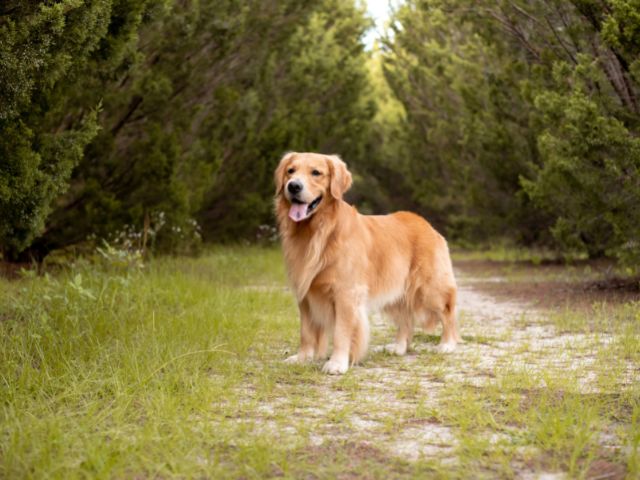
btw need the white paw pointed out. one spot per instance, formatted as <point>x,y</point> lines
<point>447,347</point>
<point>395,349</point>
<point>297,358</point>
<point>334,367</point>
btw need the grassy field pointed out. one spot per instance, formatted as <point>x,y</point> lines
<point>174,369</point>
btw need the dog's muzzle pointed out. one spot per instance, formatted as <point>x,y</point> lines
<point>300,211</point>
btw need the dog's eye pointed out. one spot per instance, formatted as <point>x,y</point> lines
<point>291,170</point>
<point>316,173</point>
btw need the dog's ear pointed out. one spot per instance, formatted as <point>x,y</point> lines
<point>340,176</point>
<point>279,174</point>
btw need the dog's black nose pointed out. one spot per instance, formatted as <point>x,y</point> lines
<point>294,186</point>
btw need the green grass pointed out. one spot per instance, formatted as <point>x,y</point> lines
<point>504,253</point>
<point>110,370</point>
<point>107,371</point>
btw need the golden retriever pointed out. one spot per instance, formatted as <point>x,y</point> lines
<point>343,264</point>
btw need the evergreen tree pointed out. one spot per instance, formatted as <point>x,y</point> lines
<point>469,139</point>
<point>198,101</point>
<point>515,118</point>
<point>311,93</point>
<point>46,48</point>
<point>524,117</point>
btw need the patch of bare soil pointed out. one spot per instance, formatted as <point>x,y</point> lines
<point>604,470</point>
<point>362,459</point>
<point>552,285</point>
<point>11,271</point>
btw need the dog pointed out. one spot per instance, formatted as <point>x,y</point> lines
<point>342,265</point>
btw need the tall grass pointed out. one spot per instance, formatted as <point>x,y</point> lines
<point>117,370</point>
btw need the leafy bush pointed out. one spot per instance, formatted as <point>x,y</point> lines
<point>524,119</point>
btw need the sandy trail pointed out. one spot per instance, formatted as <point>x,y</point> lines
<point>394,402</point>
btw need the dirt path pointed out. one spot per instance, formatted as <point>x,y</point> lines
<point>401,406</point>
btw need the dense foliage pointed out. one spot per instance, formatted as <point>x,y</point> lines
<point>523,118</point>
<point>160,123</point>
<point>133,118</point>
<point>43,48</point>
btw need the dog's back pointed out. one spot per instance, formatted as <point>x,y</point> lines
<point>429,287</point>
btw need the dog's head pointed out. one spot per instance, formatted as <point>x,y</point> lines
<point>308,182</point>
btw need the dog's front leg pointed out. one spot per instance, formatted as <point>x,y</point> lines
<point>308,335</point>
<point>347,328</point>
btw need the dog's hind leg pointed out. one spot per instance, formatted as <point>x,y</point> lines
<point>447,314</point>
<point>404,321</point>
<point>429,322</point>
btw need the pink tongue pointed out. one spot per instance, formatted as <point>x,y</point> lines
<point>298,211</point>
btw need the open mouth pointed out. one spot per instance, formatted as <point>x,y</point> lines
<point>300,211</point>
